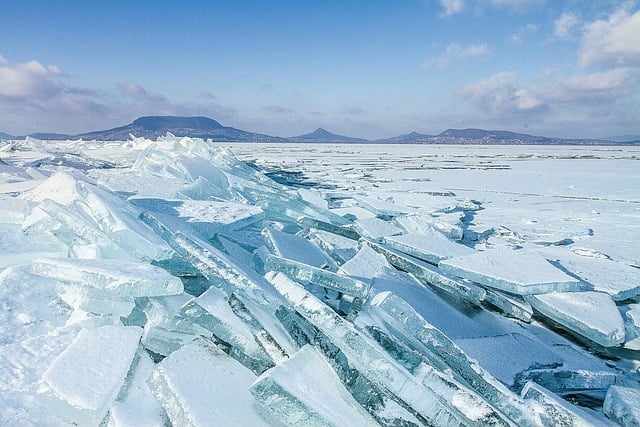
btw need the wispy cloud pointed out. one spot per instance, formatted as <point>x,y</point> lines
<point>452,7</point>
<point>612,41</point>
<point>457,52</point>
<point>565,24</point>
<point>518,5</point>
<point>278,109</point>
<point>527,30</point>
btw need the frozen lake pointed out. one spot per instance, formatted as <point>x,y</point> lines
<point>178,281</point>
<point>555,191</point>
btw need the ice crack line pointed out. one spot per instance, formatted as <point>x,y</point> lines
<point>513,193</point>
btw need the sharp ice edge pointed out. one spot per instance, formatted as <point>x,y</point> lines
<point>88,275</point>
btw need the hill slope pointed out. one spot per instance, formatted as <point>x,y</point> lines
<point>198,127</point>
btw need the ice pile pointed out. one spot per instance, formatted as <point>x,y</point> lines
<point>167,283</point>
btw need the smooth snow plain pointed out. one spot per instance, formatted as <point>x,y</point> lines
<point>190,282</point>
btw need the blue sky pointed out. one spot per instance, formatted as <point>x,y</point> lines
<point>371,69</point>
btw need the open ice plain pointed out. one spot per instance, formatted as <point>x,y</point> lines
<point>179,282</point>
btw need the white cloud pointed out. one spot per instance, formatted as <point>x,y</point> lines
<point>500,94</point>
<point>29,80</point>
<point>565,24</point>
<point>35,97</point>
<point>614,41</point>
<point>457,52</point>
<point>451,7</point>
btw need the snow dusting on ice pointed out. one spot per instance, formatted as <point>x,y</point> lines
<point>189,282</point>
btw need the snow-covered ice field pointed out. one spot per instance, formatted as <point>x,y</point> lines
<point>180,282</point>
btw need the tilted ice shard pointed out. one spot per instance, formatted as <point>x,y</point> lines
<point>621,405</point>
<point>79,389</point>
<point>103,210</point>
<point>306,221</point>
<point>592,315</point>
<point>284,391</point>
<point>18,247</point>
<point>515,271</point>
<point>438,399</point>
<point>208,217</point>
<point>120,278</point>
<point>165,328</point>
<point>432,247</point>
<point>223,272</point>
<point>295,248</point>
<point>199,385</point>
<point>376,228</point>
<point>424,223</point>
<point>510,305</point>
<point>135,404</point>
<point>430,275</point>
<point>340,248</point>
<point>407,323</point>
<point>212,311</point>
<point>562,382</point>
<point>268,331</point>
<point>318,277</point>
<point>381,207</point>
<point>555,411</point>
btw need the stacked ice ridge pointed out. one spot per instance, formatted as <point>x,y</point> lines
<point>167,283</point>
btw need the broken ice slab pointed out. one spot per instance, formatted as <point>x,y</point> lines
<point>555,411</point>
<point>306,221</point>
<point>340,248</point>
<point>376,228</point>
<point>433,247</point>
<point>510,305</point>
<point>212,311</point>
<point>381,208</point>
<point>165,329</point>
<point>632,326</point>
<point>424,223</point>
<point>85,378</point>
<point>198,385</point>
<point>291,207</point>
<point>267,329</point>
<point>407,324</point>
<point>563,382</point>
<point>514,271</point>
<point>103,210</point>
<point>295,248</point>
<point>284,391</point>
<point>430,275</point>
<point>95,301</point>
<point>73,229</point>
<point>121,278</point>
<point>318,277</point>
<point>135,404</point>
<point>436,398</point>
<point>221,271</point>
<point>593,315</point>
<point>621,405</point>
<point>16,247</point>
<point>208,217</point>
<point>617,279</point>
<point>509,355</point>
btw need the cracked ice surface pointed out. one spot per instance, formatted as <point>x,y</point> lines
<point>170,283</point>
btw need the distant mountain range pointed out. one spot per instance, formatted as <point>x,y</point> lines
<point>153,127</point>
